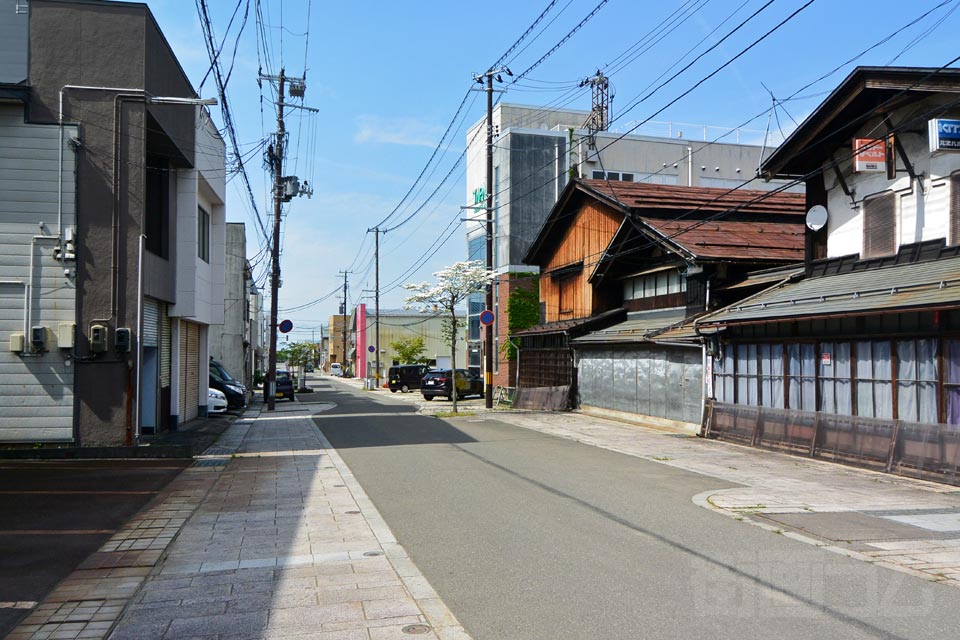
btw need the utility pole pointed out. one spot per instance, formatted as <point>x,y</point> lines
<point>284,188</point>
<point>343,324</point>
<point>376,294</point>
<point>488,333</point>
<point>275,272</point>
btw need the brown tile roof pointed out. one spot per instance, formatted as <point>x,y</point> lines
<point>731,239</point>
<point>642,195</point>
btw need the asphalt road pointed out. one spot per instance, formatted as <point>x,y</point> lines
<point>527,536</point>
<point>55,514</point>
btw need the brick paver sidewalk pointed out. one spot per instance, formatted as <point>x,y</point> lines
<point>274,538</point>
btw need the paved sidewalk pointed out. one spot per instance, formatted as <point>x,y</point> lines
<point>268,535</point>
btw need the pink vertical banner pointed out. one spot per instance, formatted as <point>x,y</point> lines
<point>361,363</point>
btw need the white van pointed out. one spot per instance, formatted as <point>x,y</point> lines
<point>336,369</point>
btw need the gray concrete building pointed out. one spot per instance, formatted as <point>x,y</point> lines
<point>120,242</point>
<point>230,341</point>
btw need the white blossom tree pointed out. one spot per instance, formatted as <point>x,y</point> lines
<point>451,288</point>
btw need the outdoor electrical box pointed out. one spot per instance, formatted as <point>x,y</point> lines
<point>38,338</point>
<point>122,339</point>
<point>65,332</point>
<point>16,342</point>
<point>98,338</point>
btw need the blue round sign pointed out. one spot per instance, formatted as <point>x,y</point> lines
<point>371,348</point>
<point>286,326</point>
<point>486,317</point>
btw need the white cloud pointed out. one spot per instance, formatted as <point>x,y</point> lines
<point>410,132</point>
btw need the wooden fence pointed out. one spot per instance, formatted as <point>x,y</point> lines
<point>928,451</point>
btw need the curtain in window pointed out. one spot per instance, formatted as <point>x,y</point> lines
<point>801,378</point>
<point>874,380</point>
<point>835,386</point>
<point>771,375</point>
<point>917,380</point>
<point>952,382</point>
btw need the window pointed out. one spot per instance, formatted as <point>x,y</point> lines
<point>880,225</point>
<point>156,207</point>
<point>626,177</point>
<point>801,377</point>
<point>655,284</point>
<point>612,175</point>
<point>771,375</point>
<point>951,386</point>
<point>917,381</point>
<point>598,175</point>
<point>724,376</point>
<point>203,235</point>
<point>747,391</point>
<point>835,382</point>
<point>874,380</point>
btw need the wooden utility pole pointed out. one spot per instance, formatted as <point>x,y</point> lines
<point>343,326</point>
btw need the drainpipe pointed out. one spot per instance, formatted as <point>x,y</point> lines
<point>689,166</point>
<point>139,365</point>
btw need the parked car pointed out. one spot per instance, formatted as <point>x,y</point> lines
<point>336,369</point>
<point>438,382</point>
<point>284,388</point>
<point>309,367</point>
<point>216,401</point>
<point>235,392</point>
<point>405,377</point>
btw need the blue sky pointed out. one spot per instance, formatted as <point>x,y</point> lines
<point>387,78</point>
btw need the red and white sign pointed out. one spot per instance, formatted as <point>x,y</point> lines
<point>870,156</point>
<point>825,359</point>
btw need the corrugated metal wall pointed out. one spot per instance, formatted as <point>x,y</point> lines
<point>658,381</point>
<point>36,393</point>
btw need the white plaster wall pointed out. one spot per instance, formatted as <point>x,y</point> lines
<point>922,214</point>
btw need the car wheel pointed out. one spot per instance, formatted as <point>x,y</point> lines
<point>428,398</point>
<point>393,390</point>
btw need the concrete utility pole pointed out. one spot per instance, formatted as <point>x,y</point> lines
<point>488,333</point>
<point>284,188</point>
<point>376,294</point>
<point>343,325</point>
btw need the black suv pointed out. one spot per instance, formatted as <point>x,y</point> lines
<point>437,382</point>
<point>222,381</point>
<point>405,377</point>
<point>284,386</point>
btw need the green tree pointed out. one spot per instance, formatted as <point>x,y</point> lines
<point>409,350</point>
<point>298,355</point>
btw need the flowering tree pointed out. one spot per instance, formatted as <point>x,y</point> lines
<point>451,288</point>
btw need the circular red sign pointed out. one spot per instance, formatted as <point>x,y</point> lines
<point>286,326</point>
<point>486,317</point>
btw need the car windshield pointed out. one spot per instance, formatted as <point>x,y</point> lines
<point>222,373</point>
<point>283,375</point>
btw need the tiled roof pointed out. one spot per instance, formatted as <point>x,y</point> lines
<point>918,285</point>
<point>731,239</point>
<point>638,327</point>
<point>565,326</point>
<point>643,195</point>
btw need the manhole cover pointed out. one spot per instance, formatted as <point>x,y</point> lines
<point>373,554</point>
<point>416,629</point>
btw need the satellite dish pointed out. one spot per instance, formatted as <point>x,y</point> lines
<point>817,217</point>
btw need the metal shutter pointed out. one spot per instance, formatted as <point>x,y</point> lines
<point>165,339</point>
<point>189,371</point>
<point>150,334</point>
<point>880,225</point>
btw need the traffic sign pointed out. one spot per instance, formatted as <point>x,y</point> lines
<point>371,348</point>
<point>486,317</point>
<point>286,326</point>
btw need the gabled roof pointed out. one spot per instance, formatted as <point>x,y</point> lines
<point>696,222</point>
<point>868,92</point>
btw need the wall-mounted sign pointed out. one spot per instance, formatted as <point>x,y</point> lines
<point>870,156</point>
<point>825,359</point>
<point>944,135</point>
